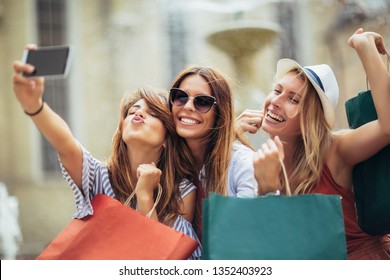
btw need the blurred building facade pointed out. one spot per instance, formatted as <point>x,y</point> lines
<point>120,45</point>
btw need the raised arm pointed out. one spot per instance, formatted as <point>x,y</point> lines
<point>249,120</point>
<point>362,143</point>
<point>369,46</point>
<point>148,179</point>
<point>29,92</point>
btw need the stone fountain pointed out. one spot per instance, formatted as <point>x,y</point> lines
<point>242,40</point>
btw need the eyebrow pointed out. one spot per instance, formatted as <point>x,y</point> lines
<point>290,92</point>
<point>132,107</point>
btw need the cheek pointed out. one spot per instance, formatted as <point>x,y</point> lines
<point>292,111</point>
<point>159,130</point>
<point>295,123</point>
<point>210,118</point>
<point>174,111</point>
<point>123,124</point>
<point>267,101</point>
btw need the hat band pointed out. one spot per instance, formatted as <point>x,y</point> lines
<point>314,76</point>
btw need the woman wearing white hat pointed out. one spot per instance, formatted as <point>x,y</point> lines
<point>300,111</point>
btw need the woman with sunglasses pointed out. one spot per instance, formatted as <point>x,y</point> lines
<point>143,155</point>
<point>201,102</point>
<point>300,110</point>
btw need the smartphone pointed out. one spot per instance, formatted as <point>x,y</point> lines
<point>53,61</point>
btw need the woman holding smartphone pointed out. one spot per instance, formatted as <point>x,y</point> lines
<point>143,155</point>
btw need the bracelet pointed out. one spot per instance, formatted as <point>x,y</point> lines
<point>275,193</point>
<point>36,112</point>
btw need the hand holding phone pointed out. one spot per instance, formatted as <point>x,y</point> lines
<point>51,61</point>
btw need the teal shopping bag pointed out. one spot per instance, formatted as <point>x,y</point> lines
<point>371,178</point>
<point>299,227</point>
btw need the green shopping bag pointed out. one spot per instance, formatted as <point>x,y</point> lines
<point>371,178</point>
<point>299,227</point>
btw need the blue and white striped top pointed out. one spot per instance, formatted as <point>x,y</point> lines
<point>95,180</point>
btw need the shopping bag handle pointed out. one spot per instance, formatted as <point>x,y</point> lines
<point>288,189</point>
<point>149,214</point>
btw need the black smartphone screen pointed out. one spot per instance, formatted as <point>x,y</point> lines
<point>48,61</point>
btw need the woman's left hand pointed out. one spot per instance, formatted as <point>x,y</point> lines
<point>360,36</point>
<point>148,179</point>
<point>267,165</point>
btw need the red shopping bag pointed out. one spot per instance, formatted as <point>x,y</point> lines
<point>116,232</point>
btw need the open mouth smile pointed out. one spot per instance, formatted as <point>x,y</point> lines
<point>185,120</point>
<point>275,117</point>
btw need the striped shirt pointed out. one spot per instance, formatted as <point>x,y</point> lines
<point>95,180</point>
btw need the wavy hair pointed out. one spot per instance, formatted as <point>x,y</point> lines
<point>221,138</point>
<point>119,165</point>
<point>315,139</point>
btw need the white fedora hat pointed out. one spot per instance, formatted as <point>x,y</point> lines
<point>323,80</point>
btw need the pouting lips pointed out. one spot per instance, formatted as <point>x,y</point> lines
<point>275,117</point>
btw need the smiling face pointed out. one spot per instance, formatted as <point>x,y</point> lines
<point>142,126</point>
<point>282,116</point>
<point>191,124</point>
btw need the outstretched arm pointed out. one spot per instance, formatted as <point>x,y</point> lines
<point>29,93</point>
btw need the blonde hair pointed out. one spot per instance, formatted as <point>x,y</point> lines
<point>315,139</point>
<point>172,172</point>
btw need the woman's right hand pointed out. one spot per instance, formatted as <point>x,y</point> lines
<point>28,91</point>
<point>250,120</point>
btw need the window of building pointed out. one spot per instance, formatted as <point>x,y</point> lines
<point>51,20</point>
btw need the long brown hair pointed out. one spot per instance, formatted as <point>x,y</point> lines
<point>172,174</point>
<point>219,148</point>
